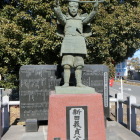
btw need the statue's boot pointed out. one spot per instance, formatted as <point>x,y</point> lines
<point>66,75</point>
<point>78,75</point>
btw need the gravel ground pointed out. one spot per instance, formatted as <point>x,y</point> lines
<point>15,115</point>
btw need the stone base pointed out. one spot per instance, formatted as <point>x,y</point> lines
<point>76,115</point>
<point>74,90</point>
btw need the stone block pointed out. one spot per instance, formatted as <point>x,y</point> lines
<point>31,125</point>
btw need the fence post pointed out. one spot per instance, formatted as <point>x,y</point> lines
<point>5,113</point>
<point>119,108</point>
<point>122,87</point>
<point>0,113</point>
<point>131,113</point>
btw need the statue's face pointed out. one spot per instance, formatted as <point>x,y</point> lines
<point>73,8</point>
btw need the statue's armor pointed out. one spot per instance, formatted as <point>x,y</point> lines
<point>73,26</point>
<point>74,32</point>
<point>74,41</point>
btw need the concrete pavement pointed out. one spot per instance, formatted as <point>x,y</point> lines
<point>114,131</point>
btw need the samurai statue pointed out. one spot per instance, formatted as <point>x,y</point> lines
<point>76,29</point>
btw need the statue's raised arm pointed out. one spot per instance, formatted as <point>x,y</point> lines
<point>57,10</point>
<point>90,17</point>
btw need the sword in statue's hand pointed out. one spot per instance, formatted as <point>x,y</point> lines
<point>96,1</point>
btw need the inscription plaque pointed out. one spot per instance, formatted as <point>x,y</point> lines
<point>36,81</point>
<point>77,124</point>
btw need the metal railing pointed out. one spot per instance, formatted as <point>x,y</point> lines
<point>131,104</point>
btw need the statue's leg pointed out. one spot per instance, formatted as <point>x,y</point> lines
<point>78,75</point>
<point>67,63</point>
<point>66,75</point>
<point>79,64</point>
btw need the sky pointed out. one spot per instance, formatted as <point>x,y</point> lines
<point>137,54</point>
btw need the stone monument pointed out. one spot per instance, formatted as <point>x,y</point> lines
<point>75,113</point>
<point>37,81</point>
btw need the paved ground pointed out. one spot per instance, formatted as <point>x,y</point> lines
<point>114,131</point>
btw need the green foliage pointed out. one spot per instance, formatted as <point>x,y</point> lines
<point>27,34</point>
<point>135,63</point>
<point>116,33</point>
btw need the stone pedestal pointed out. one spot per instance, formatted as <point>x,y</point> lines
<point>76,117</point>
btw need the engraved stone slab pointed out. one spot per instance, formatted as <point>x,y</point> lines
<point>77,124</point>
<point>36,81</point>
<point>96,76</point>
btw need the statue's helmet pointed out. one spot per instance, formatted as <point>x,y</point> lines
<point>75,1</point>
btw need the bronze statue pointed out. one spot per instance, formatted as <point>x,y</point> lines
<point>76,28</point>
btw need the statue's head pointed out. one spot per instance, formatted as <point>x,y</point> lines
<point>73,8</point>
